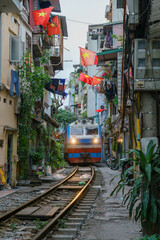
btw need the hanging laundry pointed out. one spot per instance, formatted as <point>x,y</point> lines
<point>111,90</point>
<point>14,82</point>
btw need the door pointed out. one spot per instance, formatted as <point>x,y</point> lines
<point>9,154</point>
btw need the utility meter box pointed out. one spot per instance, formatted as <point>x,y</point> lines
<point>146,64</point>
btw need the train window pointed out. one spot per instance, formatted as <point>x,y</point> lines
<point>91,131</point>
<point>77,131</point>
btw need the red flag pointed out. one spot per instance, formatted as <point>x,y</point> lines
<point>97,89</point>
<point>99,110</point>
<point>85,78</point>
<point>96,60</point>
<point>56,135</point>
<point>53,28</point>
<point>87,57</point>
<point>41,16</point>
<point>96,80</point>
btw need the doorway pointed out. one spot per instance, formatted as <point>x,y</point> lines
<point>9,154</point>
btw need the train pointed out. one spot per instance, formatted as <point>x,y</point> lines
<point>82,142</point>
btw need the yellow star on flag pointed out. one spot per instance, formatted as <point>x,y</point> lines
<point>86,76</point>
<point>42,14</point>
<point>85,55</point>
<point>52,25</point>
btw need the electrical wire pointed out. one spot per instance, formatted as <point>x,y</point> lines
<point>145,9</point>
<point>71,20</point>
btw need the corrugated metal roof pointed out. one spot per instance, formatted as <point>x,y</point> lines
<point>108,55</point>
<point>112,23</point>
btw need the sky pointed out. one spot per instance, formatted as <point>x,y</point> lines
<point>79,14</point>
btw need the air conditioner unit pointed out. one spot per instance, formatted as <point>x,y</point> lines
<point>133,7</point>
<point>17,105</point>
<point>147,64</point>
<point>16,49</point>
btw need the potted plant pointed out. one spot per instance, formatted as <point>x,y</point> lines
<point>144,194</point>
<point>36,159</point>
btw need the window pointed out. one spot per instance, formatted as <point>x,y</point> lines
<point>141,62</point>
<point>77,131</point>
<point>91,130</point>
<point>156,62</point>
<point>156,44</point>
<point>141,44</point>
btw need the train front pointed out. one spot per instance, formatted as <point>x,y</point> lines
<point>84,142</point>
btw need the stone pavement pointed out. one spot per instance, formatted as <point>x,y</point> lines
<point>109,219</point>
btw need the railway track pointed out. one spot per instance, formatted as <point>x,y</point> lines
<point>56,214</point>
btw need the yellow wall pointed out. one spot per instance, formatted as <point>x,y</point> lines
<point>7,102</point>
<point>8,28</point>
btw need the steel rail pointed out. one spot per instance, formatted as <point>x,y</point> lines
<point>49,226</point>
<point>14,211</point>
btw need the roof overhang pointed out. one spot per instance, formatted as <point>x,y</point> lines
<point>107,26</point>
<point>108,55</point>
<point>54,3</point>
<point>10,6</point>
<point>63,25</point>
<point>51,120</point>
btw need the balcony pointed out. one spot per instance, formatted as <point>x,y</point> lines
<point>37,42</point>
<point>10,6</point>
<point>57,53</point>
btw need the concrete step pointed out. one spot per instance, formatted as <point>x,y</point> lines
<point>62,237</point>
<point>67,231</point>
<point>76,225</point>
<point>75,220</point>
<point>79,215</point>
<point>81,211</point>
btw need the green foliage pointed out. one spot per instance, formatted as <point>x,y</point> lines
<point>61,223</point>
<point>84,114</point>
<point>65,117</point>
<point>118,38</point>
<point>13,226</point>
<point>145,190</point>
<point>36,157</point>
<point>39,224</point>
<point>33,80</point>
<point>115,146</point>
<point>56,156</point>
<point>152,237</point>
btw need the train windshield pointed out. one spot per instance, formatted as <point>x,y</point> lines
<point>77,131</point>
<point>91,130</point>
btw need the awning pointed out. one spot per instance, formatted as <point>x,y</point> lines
<point>108,55</point>
<point>51,120</point>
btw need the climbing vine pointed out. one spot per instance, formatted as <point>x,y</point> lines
<point>33,80</point>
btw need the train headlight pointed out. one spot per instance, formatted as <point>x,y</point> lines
<point>95,140</point>
<point>73,140</point>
